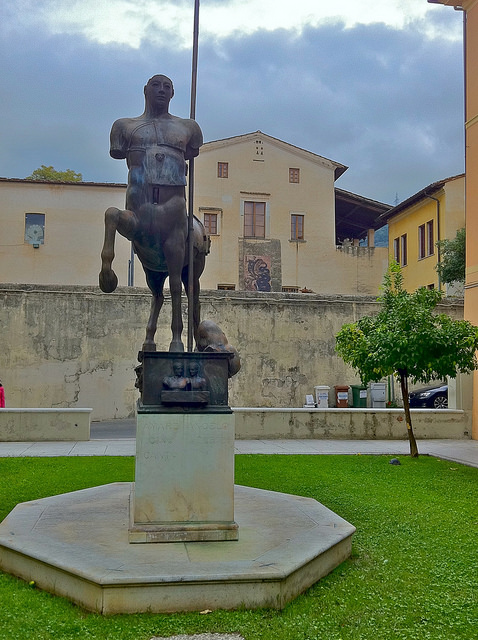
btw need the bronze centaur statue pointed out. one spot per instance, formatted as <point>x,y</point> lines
<point>156,146</point>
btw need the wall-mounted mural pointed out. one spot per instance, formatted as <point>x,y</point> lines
<point>257,273</point>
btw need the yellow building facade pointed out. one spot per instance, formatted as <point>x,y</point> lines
<point>435,213</point>
<point>470,8</point>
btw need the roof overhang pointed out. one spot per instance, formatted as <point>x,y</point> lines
<point>355,215</point>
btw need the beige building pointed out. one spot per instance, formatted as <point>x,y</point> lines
<point>275,218</point>
<point>418,223</point>
<point>270,210</point>
<point>52,233</point>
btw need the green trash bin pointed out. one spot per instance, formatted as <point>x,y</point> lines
<point>359,396</point>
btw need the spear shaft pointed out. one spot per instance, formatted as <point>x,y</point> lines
<point>190,291</point>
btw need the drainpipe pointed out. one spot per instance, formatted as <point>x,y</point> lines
<point>438,234</point>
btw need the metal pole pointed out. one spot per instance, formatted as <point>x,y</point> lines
<point>191,181</point>
<point>131,268</point>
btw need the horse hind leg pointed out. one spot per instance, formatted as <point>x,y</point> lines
<point>175,263</point>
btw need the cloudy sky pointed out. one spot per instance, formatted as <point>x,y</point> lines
<point>377,86</point>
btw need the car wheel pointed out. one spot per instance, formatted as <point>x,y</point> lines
<point>440,402</point>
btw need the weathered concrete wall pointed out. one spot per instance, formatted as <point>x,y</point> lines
<point>350,424</point>
<point>77,347</point>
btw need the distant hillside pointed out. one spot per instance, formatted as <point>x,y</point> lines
<point>381,237</point>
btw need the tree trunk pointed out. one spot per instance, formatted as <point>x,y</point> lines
<point>408,418</point>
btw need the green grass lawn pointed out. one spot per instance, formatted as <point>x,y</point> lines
<point>412,573</point>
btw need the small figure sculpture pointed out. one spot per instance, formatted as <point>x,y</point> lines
<point>196,382</point>
<point>156,146</point>
<point>176,382</point>
<point>210,337</point>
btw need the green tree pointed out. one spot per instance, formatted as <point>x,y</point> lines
<point>451,267</point>
<point>52,175</point>
<point>408,339</point>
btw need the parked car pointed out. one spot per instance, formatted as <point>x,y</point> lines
<point>435,397</point>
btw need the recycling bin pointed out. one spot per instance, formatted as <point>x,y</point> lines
<point>341,396</point>
<point>359,396</point>
<point>377,394</point>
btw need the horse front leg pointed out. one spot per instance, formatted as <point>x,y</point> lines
<point>175,287</point>
<point>174,254</point>
<point>108,279</point>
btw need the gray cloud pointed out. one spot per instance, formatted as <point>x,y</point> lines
<point>388,103</point>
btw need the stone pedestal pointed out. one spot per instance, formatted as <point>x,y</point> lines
<point>76,545</point>
<point>184,479</point>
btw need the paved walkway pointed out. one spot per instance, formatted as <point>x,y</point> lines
<point>463,451</point>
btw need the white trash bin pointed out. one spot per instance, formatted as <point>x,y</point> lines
<point>322,396</point>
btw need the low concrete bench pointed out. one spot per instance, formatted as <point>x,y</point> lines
<point>35,425</point>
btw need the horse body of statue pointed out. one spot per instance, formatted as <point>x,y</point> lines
<point>156,146</point>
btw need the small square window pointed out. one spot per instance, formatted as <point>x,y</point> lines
<point>210,223</point>
<point>254,219</point>
<point>294,175</point>
<point>222,169</point>
<point>403,250</point>
<point>430,238</point>
<point>296,227</point>
<point>421,242</point>
<point>396,250</point>
<point>426,245</point>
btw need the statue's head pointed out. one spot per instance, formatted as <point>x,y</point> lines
<point>178,368</point>
<point>158,89</point>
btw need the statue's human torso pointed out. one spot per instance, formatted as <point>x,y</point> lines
<point>156,149</point>
<point>160,151</point>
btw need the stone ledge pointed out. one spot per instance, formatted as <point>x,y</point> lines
<point>255,423</point>
<point>44,424</point>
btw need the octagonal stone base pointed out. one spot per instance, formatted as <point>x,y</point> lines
<point>76,545</point>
